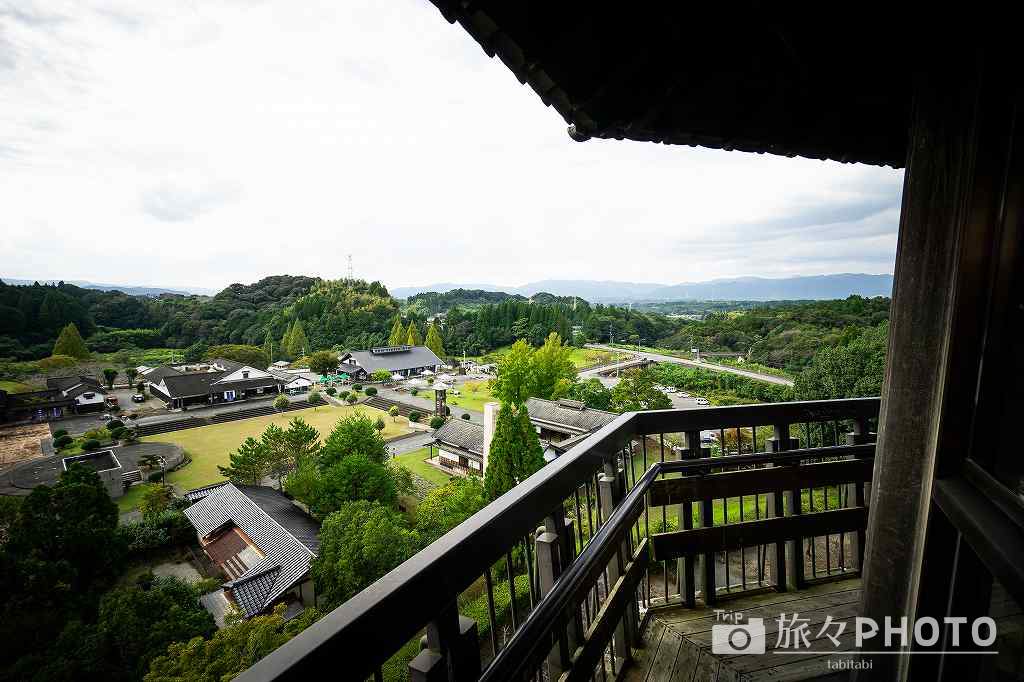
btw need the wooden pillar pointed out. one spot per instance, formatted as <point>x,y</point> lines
<point>937,191</point>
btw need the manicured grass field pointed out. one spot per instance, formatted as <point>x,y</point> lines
<point>413,461</point>
<point>131,498</point>
<point>474,395</point>
<point>13,386</point>
<point>588,357</point>
<point>209,446</point>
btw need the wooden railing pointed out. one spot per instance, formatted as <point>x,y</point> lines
<point>656,509</point>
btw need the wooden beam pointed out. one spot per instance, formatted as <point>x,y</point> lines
<point>760,532</point>
<point>752,481</point>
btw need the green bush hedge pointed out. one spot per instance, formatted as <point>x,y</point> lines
<point>357,387</point>
<point>59,433</point>
<point>90,444</point>
<point>63,441</point>
<point>436,422</point>
<point>370,391</point>
<point>114,424</point>
<point>415,416</point>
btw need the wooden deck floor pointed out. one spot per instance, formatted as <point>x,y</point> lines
<point>677,641</point>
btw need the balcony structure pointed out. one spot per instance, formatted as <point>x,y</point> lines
<point>632,534</point>
<point>616,535</point>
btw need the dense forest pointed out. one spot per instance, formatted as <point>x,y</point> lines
<point>840,343</point>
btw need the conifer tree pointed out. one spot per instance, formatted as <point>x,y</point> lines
<point>398,334</point>
<point>286,341</point>
<point>434,342</point>
<point>413,337</point>
<point>248,464</point>
<point>70,343</point>
<point>515,452</point>
<point>297,342</point>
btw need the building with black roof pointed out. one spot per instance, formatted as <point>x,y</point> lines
<point>403,360</point>
<point>217,381</point>
<point>261,542</point>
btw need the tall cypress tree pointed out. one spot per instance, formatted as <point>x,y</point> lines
<point>434,342</point>
<point>398,335</point>
<point>515,452</point>
<point>414,337</point>
<point>70,343</point>
<point>286,341</point>
<point>298,344</point>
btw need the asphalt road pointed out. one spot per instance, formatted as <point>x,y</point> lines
<point>657,357</point>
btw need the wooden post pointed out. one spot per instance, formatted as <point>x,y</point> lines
<point>452,651</point>
<point>858,492</point>
<point>788,558</point>
<point>610,495</point>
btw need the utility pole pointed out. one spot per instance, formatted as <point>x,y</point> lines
<point>350,266</point>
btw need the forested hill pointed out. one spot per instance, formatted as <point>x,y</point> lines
<point>434,302</point>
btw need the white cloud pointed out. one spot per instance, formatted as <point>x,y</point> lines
<point>205,143</point>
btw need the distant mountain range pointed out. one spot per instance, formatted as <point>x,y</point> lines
<point>124,288</point>
<point>814,287</point>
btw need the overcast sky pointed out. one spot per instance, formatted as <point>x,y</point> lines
<point>205,143</point>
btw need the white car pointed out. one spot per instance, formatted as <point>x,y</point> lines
<point>702,401</point>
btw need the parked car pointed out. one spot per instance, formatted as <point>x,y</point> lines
<point>112,401</point>
<point>138,398</point>
<point>702,401</point>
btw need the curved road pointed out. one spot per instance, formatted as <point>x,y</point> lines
<point>657,357</point>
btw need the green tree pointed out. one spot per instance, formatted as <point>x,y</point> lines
<point>253,356</point>
<point>323,362</point>
<point>136,625</point>
<point>514,382</point>
<point>155,500</point>
<point>380,375</point>
<point>398,333</point>
<point>434,342</point>
<point>591,393</point>
<point>281,402</point>
<point>413,337</point>
<point>359,543</point>
<point>393,411</point>
<point>70,343</point>
<point>130,373</point>
<point>109,375</point>
<point>853,369</point>
<point>515,452</point>
<point>553,368</point>
<point>636,391</point>
<point>447,506</point>
<point>248,464</point>
<point>298,344</point>
<point>354,434</point>
<point>230,651</point>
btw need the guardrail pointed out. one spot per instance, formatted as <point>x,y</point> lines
<point>559,571</point>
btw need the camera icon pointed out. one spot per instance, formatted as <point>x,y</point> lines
<point>736,638</point>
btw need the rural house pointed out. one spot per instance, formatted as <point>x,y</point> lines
<point>219,381</point>
<point>260,541</point>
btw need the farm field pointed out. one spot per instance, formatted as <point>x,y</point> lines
<point>209,446</point>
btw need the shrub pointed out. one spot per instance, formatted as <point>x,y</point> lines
<point>357,387</point>
<point>114,424</point>
<point>280,402</point>
<point>57,362</point>
<point>59,432</point>
<point>314,396</point>
<point>331,390</point>
<point>465,415</point>
<point>90,444</point>
<point>436,422</point>
<point>415,416</point>
<point>118,433</point>
<point>430,380</point>
<point>379,424</point>
<point>155,476</point>
<point>370,391</point>
<point>414,391</point>
<point>100,434</point>
<point>344,395</point>
<point>63,441</point>
<point>351,399</point>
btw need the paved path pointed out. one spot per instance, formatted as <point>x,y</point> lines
<point>404,445</point>
<point>21,479</point>
<point>658,357</point>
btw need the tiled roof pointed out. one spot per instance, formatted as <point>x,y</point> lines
<point>462,434</point>
<point>199,493</point>
<point>156,374</point>
<point>281,531</point>
<point>194,383</point>
<point>569,414</point>
<point>416,356</point>
<point>65,383</point>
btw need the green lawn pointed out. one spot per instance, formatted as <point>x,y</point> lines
<point>209,446</point>
<point>413,461</point>
<point>474,395</point>
<point>588,357</point>
<point>13,386</point>
<point>131,498</point>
